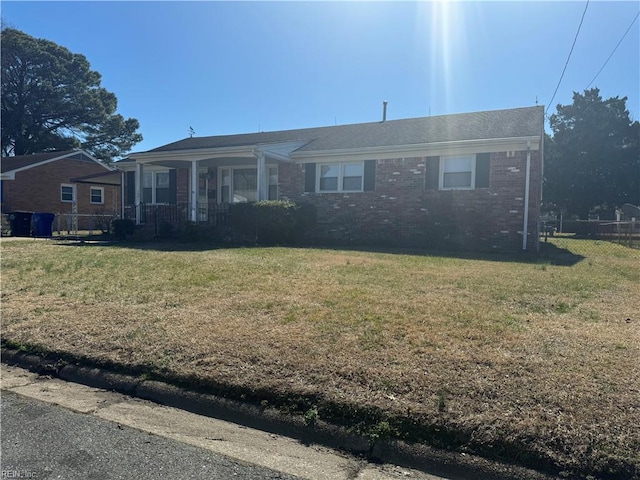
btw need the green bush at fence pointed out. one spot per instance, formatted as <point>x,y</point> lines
<point>272,222</point>
<point>122,228</point>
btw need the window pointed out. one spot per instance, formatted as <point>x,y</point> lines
<point>238,185</point>
<point>163,192</point>
<point>225,185</point>
<point>147,187</point>
<point>329,175</point>
<point>273,183</point>
<point>352,176</point>
<point>67,193</point>
<point>340,177</point>
<point>457,172</point>
<point>245,184</point>
<point>156,187</point>
<point>96,195</point>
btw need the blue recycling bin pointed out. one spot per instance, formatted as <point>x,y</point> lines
<point>43,224</point>
<point>20,223</point>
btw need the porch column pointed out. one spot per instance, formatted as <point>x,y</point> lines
<point>262,178</point>
<point>194,190</point>
<point>138,192</point>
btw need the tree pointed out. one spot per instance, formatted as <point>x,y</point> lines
<point>52,100</point>
<point>592,162</point>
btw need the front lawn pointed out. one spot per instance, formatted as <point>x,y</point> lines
<point>526,361</point>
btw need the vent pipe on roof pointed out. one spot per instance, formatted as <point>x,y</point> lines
<point>384,111</point>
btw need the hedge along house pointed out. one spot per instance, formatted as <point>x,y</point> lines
<point>469,180</point>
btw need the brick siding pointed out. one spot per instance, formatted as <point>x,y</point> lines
<point>400,211</point>
<point>38,190</point>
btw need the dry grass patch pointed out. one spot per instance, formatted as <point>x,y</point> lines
<point>529,362</point>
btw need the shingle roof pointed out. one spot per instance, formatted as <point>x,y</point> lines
<point>516,122</point>
<point>8,164</point>
<point>19,161</point>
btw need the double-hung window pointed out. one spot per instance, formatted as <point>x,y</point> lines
<point>96,195</point>
<point>457,172</point>
<point>340,177</point>
<point>155,187</point>
<point>67,193</point>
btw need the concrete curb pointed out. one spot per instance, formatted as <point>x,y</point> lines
<point>452,465</point>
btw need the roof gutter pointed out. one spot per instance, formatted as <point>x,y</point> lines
<point>424,149</point>
<point>194,154</point>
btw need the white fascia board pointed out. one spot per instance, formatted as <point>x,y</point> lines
<point>128,167</point>
<point>8,175</point>
<point>461,147</point>
<point>280,151</point>
<point>194,154</point>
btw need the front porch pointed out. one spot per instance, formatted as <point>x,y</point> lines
<point>176,186</point>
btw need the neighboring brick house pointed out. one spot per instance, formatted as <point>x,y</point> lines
<point>471,180</point>
<point>53,181</point>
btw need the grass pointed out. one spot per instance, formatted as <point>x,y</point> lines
<point>525,361</point>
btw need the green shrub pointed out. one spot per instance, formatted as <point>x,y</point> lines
<point>165,230</point>
<point>122,227</point>
<point>191,232</point>
<point>272,222</point>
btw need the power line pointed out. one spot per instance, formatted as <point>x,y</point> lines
<point>567,62</point>
<point>614,50</point>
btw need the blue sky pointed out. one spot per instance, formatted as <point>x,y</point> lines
<point>236,67</point>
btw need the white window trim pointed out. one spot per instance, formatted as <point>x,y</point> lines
<point>101,189</point>
<point>443,160</point>
<point>341,166</point>
<point>73,192</point>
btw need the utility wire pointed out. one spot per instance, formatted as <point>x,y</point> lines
<point>567,62</point>
<point>614,50</point>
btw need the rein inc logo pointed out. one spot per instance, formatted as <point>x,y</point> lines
<point>17,473</point>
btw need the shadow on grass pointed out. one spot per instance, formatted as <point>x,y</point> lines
<point>549,253</point>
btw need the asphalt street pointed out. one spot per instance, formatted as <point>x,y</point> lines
<point>52,429</point>
<point>46,441</point>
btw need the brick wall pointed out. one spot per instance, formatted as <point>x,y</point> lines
<point>182,186</point>
<point>38,189</point>
<point>400,211</point>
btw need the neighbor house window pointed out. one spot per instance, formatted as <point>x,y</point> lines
<point>66,193</point>
<point>340,177</point>
<point>155,187</point>
<point>457,172</point>
<point>96,195</point>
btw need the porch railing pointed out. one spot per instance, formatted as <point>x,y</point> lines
<point>216,214</point>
